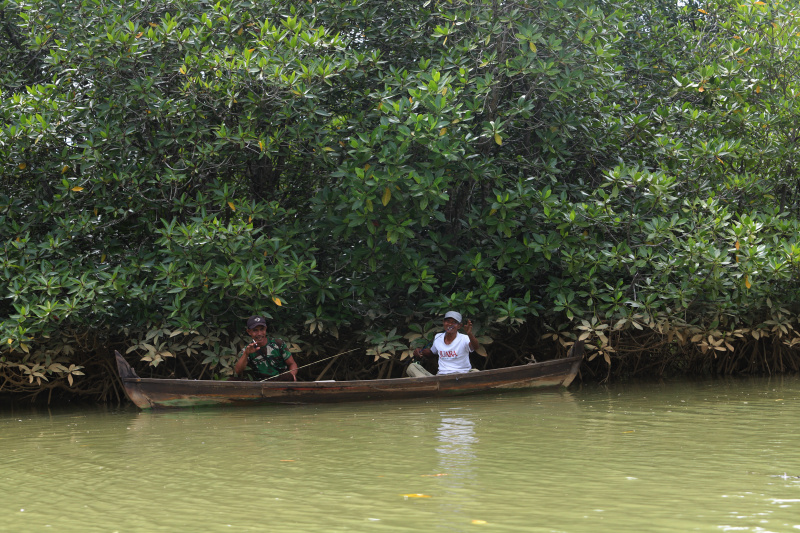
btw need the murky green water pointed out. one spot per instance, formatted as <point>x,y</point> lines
<point>709,456</point>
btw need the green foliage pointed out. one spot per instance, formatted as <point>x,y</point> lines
<point>361,166</point>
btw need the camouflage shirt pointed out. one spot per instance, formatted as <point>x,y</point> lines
<point>269,360</point>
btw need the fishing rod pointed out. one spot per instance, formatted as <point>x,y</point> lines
<point>342,353</point>
<point>315,362</point>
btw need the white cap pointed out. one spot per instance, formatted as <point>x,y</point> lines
<point>453,314</point>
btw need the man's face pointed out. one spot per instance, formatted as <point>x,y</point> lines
<point>450,324</point>
<point>259,334</point>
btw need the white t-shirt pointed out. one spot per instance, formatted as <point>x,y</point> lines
<point>453,357</point>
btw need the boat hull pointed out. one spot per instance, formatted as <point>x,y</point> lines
<point>148,393</point>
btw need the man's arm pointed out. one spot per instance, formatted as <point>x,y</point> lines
<point>292,367</point>
<point>426,352</point>
<point>473,341</point>
<point>290,362</point>
<point>241,364</point>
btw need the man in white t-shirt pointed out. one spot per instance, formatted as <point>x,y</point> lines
<point>452,347</point>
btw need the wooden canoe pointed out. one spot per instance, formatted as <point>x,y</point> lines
<point>148,393</point>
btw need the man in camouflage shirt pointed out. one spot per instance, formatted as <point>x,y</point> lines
<point>265,358</point>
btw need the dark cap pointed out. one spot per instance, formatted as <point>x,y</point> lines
<point>255,321</point>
